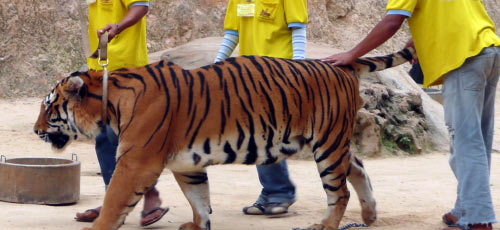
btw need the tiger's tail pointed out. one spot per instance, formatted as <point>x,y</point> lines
<point>372,64</point>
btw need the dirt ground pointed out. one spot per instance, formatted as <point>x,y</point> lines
<point>411,192</point>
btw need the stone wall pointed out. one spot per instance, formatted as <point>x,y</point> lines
<point>40,41</point>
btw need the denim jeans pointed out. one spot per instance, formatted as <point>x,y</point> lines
<point>106,144</point>
<point>469,99</point>
<point>277,186</point>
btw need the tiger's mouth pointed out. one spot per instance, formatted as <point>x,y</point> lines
<point>58,139</point>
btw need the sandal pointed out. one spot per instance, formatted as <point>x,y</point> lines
<point>266,209</point>
<point>88,216</point>
<point>152,221</point>
<point>450,219</point>
<point>470,227</point>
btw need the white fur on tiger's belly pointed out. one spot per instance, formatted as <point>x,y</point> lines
<point>196,158</point>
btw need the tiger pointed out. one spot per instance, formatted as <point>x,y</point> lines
<point>244,110</point>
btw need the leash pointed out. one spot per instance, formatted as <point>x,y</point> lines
<point>102,54</point>
<point>352,225</point>
<point>103,61</point>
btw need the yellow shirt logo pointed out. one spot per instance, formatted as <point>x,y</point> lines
<point>265,14</point>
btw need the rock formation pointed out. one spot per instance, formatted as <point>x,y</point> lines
<point>40,40</point>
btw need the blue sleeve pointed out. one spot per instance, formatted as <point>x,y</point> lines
<point>399,12</point>
<point>297,25</point>
<point>139,4</point>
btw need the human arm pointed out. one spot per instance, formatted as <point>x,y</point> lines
<point>384,30</point>
<point>297,18</point>
<point>299,40</point>
<point>231,36</point>
<point>136,13</point>
<point>231,39</point>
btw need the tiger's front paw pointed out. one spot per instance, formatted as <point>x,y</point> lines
<point>190,226</point>
<point>369,216</point>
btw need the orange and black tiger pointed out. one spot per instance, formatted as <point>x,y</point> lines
<point>245,110</point>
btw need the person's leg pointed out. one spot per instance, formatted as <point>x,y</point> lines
<point>464,96</point>
<point>488,119</point>
<point>278,191</point>
<point>105,148</point>
<point>276,183</point>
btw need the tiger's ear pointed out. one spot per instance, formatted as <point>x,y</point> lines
<point>74,86</point>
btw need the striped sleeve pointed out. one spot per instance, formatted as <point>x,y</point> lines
<point>299,41</point>
<point>231,39</point>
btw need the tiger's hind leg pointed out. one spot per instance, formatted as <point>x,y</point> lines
<point>194,185</point>
<point>133,176</point>
<point>359,179</point>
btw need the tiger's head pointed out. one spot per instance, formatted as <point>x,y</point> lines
<point>67,113</point>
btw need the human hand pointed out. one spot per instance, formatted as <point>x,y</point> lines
<point>341,59</point>
<point>112,29</point>
<point>411,44</point>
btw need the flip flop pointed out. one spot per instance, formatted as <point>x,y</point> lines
<point>266,209</point>
<point>470,227</point>
<point>88,219</point>
<point>449,219</point>
<point>163,212</point>
<point>254,209</point>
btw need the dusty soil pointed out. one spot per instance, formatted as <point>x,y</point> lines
<point>412,192</point>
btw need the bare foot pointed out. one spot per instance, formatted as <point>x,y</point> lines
<point>152,212</point>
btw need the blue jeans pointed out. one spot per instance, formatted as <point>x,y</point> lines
<point>469,99</point>
<point>106,144</point>
<point>277,186</point>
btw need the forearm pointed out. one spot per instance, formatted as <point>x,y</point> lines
<point>231,39</point>
<point>380,34</point>
<point>135,14</point>
<point>299,42</point>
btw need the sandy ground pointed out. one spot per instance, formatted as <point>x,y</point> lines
<point>412,192</point>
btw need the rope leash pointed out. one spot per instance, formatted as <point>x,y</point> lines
<point>102,54</point>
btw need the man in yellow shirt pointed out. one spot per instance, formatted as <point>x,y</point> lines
<point>126,23</point>
<point>274,28</point>
<point>457,47</point>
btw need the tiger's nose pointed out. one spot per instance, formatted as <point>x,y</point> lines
<point>36,132</point>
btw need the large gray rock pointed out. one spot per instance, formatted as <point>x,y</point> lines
<point>397,116</point>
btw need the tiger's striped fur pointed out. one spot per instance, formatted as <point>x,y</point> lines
<point>247,110</point>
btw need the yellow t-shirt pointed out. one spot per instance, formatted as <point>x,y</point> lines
<point>266,33</point>
<point>446,33</point>
<point>129,48</point>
